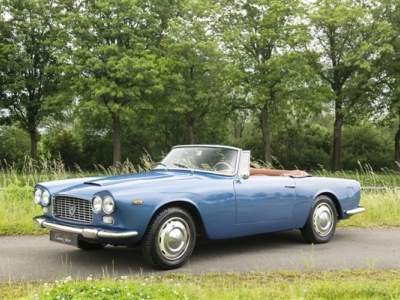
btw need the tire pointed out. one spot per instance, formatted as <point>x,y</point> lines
<point>169,241</point>
<point>322,220</point>
<point>89,246</point>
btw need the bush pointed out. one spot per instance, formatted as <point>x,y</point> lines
<point>14,146</point>
<point>63,145</point>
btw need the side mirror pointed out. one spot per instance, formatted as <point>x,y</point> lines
<point>245,165</point>
<point>245,175</point>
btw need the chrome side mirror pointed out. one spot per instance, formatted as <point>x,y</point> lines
<point>244,165</point>
<point>245,175</point>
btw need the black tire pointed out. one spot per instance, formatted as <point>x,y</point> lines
<point>169,241</point>
<point>89,246</point>
<point>322,220</point>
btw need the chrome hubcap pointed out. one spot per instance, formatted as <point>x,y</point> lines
<point>174,238</point>
<point>323,219</point>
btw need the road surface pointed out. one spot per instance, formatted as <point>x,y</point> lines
<point>27,258</point>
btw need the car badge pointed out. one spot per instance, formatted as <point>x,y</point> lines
<point>72,209</point>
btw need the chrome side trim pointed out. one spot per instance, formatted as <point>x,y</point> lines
<point>355,211</point>
<point>90,233</point>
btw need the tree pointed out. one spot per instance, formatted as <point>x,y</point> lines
<point>196,69</point>
<point>30,68</point>
<point>259,36</point>
<point>347,39</point>
<point>389,79</point>
<point>113,62</point>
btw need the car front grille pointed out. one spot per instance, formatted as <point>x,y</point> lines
<point>71,208</point>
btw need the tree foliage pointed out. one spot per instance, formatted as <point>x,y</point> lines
<point>30,73</point>
<point>260,37</point>
<point>196,68</point>
<point>298,83</point>
<point>111,63</point>
<point>347,38</point>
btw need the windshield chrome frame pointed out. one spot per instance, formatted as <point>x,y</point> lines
<point>192,170</point>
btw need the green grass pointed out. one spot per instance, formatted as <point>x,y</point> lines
<point>382,210</point>
<point>344,284</point>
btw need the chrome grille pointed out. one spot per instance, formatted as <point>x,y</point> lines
<point>71,208</point>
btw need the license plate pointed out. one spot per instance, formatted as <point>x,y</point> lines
<point>64,238</point>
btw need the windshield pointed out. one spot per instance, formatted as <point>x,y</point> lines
<point>210,159</point>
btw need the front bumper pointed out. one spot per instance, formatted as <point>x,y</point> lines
<point>90,233</point>
<point>355,211</point>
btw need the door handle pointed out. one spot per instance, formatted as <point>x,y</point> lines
<point>290,186</point>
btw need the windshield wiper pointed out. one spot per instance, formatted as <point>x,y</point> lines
<point>164,165</point>
<point>184,166</point>
<point>181,166</point>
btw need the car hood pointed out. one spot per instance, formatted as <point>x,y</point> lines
<point>86,187</point>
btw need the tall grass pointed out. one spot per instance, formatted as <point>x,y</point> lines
<point>33,172</point>
<point>382,210</point>
<point>365,175</point>
<point>47,170</point>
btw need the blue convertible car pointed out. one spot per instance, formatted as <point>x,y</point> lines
<point>196,190</point>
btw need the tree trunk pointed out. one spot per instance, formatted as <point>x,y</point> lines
<point>265,133</point>
<point>337,142</point>
<point>397,149</point>
<point>190,124</point>
<point>116,139</point>
<point>33,138</point>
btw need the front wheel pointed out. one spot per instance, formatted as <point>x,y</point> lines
<point>321,223</point>
<point>170,239</point>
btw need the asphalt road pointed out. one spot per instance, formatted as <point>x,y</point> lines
<point>29,258</point>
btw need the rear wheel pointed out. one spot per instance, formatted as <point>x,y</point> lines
<point>321,223</point>
<point>170,239</point>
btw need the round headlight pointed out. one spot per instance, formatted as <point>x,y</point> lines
<point>45,198</point>
<point>37,196</point>
<point>96,204</point>
<point>108,205</point>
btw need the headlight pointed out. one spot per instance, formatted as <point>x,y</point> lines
<point>96,204</point>
<point>45,198</point>
<point>37,196</point>
<point>108,205</point>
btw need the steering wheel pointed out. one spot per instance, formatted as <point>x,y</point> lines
<point>223,167</point>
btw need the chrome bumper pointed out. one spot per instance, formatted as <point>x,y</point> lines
<point>355,211</point>
<point>90,233</point>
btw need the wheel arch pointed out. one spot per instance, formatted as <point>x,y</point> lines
<point>189,207</point>
<point>335,201</point>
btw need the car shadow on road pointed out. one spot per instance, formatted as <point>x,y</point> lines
<point>121,261</point>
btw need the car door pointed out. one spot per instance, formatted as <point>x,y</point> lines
<point>264,198</point>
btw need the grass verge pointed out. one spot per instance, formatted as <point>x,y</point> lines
<point>344,284</point>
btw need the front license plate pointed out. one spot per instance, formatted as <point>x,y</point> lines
<point>64,238</point>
